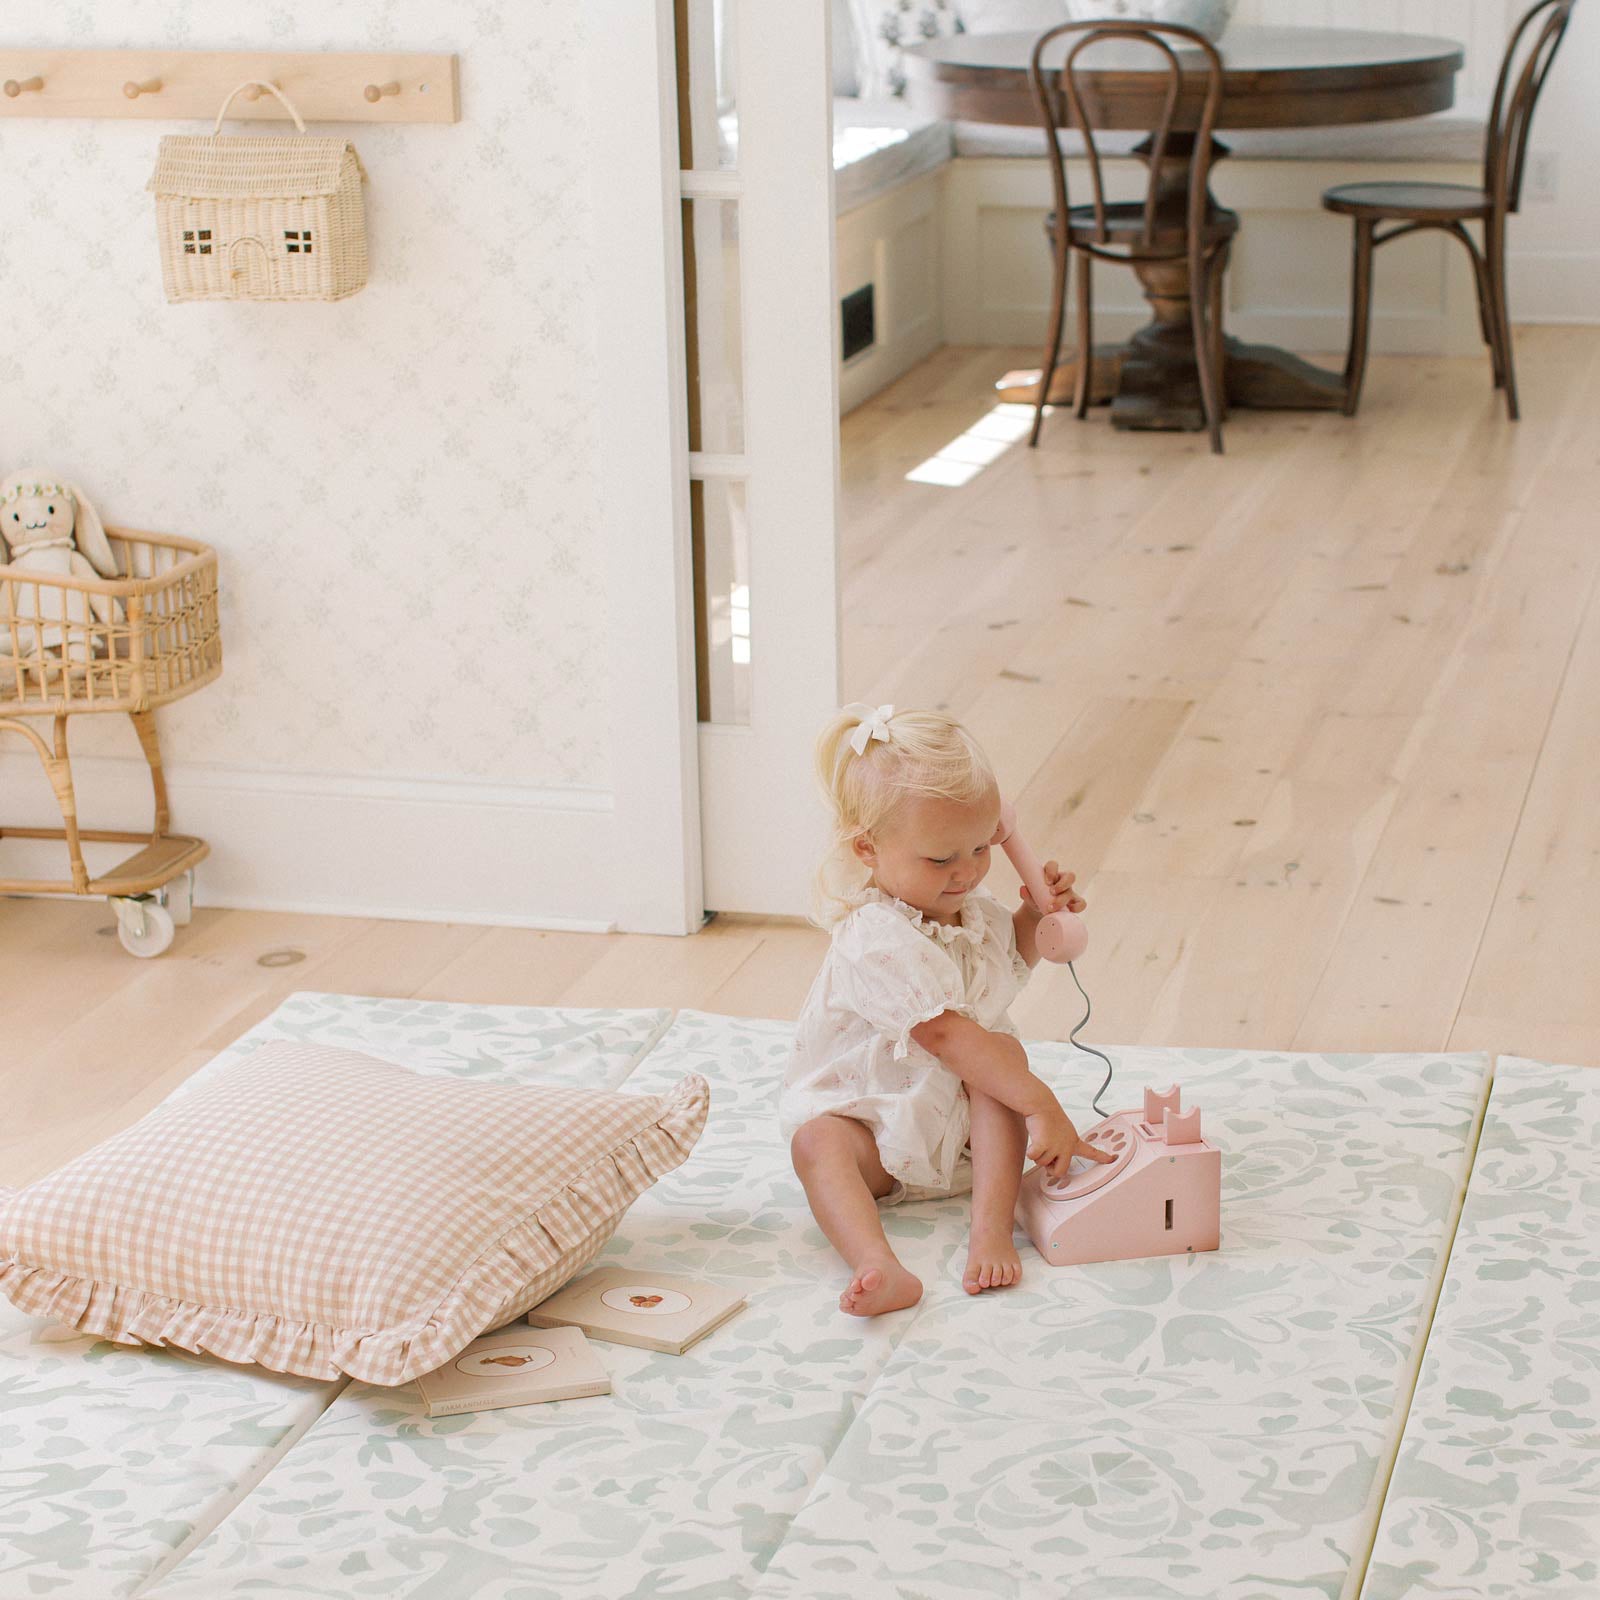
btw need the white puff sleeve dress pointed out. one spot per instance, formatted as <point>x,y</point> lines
<point>888,969</point>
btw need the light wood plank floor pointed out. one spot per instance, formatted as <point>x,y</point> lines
<point>1314,723</point>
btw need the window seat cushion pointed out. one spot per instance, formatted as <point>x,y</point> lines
<point>880,144</point>
<point>877,146</point>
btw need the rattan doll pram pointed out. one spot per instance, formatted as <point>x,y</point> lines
<point>74,646</point>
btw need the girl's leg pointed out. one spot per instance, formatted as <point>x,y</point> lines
<point>999,1148</point>
<point>838,1163</point>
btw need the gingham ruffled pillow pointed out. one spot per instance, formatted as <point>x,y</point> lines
<point>316,1211</point>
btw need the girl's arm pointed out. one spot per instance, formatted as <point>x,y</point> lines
<point>997,1065</point>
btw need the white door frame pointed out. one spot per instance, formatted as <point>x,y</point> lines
<point>763,828</point>
<point>643,465</point>
<point>746,790</point>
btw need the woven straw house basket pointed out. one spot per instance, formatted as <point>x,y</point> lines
<point>249,218</point>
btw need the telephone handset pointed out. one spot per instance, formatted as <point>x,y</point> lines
<point>1061,936</point>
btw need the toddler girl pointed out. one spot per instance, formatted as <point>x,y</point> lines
<point>908,1080</point>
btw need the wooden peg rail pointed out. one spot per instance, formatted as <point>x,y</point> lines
<point>173,85</point>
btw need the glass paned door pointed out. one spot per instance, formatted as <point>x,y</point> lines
<point>756,179</point>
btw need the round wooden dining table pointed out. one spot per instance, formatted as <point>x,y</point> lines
<point>1272,78</point>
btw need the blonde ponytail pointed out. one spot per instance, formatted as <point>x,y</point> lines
<point>924,753</point>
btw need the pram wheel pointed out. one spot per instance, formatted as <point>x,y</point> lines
<point>144,927</point>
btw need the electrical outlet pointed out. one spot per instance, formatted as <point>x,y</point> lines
<point>1543,174</point>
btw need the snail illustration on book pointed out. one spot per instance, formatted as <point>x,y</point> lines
<point>1162,1194</point>
<point>505,1361</point>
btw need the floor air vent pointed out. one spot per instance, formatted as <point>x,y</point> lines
<point>857,321</point>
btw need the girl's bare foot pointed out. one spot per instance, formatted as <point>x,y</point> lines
<point>885,1286</point>
<point>992,1263</point>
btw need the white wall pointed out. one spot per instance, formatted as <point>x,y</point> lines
<point>1554,244</point>
<point>1555,241</point>
<point>413,717</point>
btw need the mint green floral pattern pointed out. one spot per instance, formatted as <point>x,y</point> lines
<point>114,1460</point>
<point>1179,1429</point>
<point>1153,1429</point>
<point>683,1481</point>
<point>111,1458</point>
<point>1163,1430</point>
<point>511,1044</point>
<point>1497,1489</point>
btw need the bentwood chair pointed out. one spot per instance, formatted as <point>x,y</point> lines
<point>1412,207</point>
<point>1162,227</point>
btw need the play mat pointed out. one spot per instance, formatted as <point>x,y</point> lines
<point>1370,1389</point>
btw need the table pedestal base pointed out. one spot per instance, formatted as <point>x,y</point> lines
<point>1151,382</point>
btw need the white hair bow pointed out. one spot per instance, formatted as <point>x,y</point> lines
<point>873,725</point>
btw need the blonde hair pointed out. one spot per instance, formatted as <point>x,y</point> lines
<point>926,753</point>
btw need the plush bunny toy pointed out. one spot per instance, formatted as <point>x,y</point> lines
<point>48,527</point>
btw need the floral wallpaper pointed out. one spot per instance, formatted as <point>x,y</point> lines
<point>402,485</point>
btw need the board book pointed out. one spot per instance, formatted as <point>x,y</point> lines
<point>515,1367</point>
<point>653,1310</point>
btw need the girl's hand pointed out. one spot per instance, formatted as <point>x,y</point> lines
<point>1062,895</point>
<point>1053,1142</point>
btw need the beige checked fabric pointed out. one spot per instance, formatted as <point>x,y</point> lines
<point>316,1211</point>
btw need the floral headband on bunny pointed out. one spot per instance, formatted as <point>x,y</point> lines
<point>34,490</point>
<point>873,725</point>
<point>88,532</point>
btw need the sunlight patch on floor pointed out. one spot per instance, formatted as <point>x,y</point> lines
<point>966,455</point>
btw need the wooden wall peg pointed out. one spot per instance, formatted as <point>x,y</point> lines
<point>175,85</point>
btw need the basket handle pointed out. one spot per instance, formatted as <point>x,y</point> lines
<point>258,83</point>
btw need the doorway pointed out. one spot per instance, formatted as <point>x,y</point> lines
<point>760,410</point>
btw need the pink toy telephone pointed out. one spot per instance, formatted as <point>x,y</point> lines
<point>1061,937</point>
<point>1160,1196</point>
<point>1162,1193</point>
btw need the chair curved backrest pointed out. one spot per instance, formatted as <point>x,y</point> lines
<point>1522,74</point>
<point>1060,100</point>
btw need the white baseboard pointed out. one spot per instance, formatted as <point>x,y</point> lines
<point>338,844</point>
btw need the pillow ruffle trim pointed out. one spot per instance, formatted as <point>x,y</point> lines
<point>512,1274</point>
